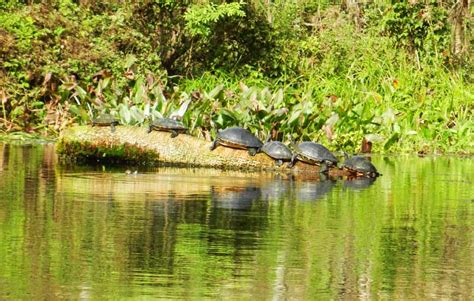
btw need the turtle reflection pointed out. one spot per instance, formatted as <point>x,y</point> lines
<point>239,198</point>
<point>313,190</point>
<point>359,183</point>
<point>276,189</point>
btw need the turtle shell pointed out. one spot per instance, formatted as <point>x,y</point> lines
<point>315,153</point>
<point>105,120</point>
<point>360,164</point>
<point>168,124</point>
<point>277,150</point>
<point>238,138</point>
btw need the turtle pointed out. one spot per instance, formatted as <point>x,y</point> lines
<point>105,120</point>
<point>167,125</point>
<point>278,151</point>
<point>360,166</point>
<point>237,137</point>
<point>313,153</point>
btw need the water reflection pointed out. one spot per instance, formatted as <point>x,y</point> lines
<point>239,198</point>
<point>205,234</point>
<point>276,189</point>
<point>312,190</point>
<point>359,183</point>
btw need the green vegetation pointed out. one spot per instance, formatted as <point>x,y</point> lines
<point>398,75</point>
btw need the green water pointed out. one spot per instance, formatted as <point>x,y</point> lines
<point>99,233</point>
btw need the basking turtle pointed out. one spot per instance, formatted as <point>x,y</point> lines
<point>313,153</point>
<point>105,120</point>
<point>360,166</point>
<point>237,137</point>
<point>167,125</point>
<point>278,151</point>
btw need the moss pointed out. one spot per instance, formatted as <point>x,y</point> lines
<point>71,151</point>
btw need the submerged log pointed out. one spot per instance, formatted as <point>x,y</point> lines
<point>134,146</point>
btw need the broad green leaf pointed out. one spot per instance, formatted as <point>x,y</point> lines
<point>130,59</point>
<point>295,115</point>
<point>214,92</point>
<point>278,97</point>
<point>137,115</point>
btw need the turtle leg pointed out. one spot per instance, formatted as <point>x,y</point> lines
<point>149,129</point>
<point>252,151</point>
<point>279,162</point>
<point>324,168</point>
<point>214,144</point>
<point>174,134</point>
<point>112,128</point>
<point>292,162</point>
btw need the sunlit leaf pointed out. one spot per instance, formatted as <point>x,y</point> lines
<point>294,116</point>
<point>374,137</point>
<point>146,109</point>
<point>214,92</point>
<point>278,97</point>
<point>81,92</point>
<point>130,59</point>
<point>182,109</point>
<point>125,114</point>
<point>388,116</point>
<point>243,87</point>
<point>332,120</point>
<point>137,115</point>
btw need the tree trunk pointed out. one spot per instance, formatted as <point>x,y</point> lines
<point>460,13</point>
<point>134,146</point>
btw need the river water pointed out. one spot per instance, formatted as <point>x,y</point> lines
<point>196,234</point>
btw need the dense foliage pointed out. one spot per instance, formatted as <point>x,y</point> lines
<point>317,70</point>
